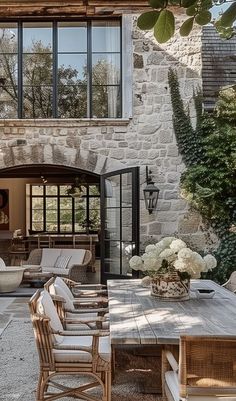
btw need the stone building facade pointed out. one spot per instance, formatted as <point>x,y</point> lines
<point>145,139</point>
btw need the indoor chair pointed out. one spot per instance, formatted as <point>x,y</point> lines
<point>205,372</point>
<point>63,353</point>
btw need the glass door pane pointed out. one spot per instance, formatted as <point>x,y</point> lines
<point>119,222</point>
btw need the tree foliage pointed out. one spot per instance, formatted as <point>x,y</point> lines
<point>162,18</point>
<point>209,182</point>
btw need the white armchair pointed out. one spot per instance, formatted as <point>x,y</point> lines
<point>231,283</point>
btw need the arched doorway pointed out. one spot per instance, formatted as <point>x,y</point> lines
<point>118,195</point>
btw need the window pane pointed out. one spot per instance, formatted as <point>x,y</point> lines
<point>51,190</point>
<point>65,227</point>
<point>72,37</point>
<point>8,38</point>
<point>94,217</point>
<point>37,37</point>
<point>51,226</point>
<point>37,215</point>
<point>106,102</point>
<point>37,189</point>
<point>72,101</point>
<point>36,226</point>
<point>37,102</point>
<point>94,203</point>
<point>106,69</point>
<point>51,215</point>
<point>63,189</point>
<point>66,203</point>
<point>94,190</point>
<point>72,69</point>
<point>51,203</point>
<point>37,69</point>
<point>8,101</point>
<point>37,203</point>
<point>105,36</point>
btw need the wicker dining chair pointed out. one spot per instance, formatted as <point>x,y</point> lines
<point>206,370</point>
<point>63,353</point>
<point>87,314</point>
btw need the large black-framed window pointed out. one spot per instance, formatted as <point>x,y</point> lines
<point>61,69</point>
<point>52,210</point>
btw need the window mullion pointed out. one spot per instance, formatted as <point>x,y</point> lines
<point>55,71</point>
<point>20,70</point>
<point>89,70</point>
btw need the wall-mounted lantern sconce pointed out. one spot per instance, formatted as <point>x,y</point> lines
<point>151,193</point>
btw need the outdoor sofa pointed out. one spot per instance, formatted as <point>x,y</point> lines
<point>46,262</point>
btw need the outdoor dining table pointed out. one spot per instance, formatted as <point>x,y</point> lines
<point>137,317</point>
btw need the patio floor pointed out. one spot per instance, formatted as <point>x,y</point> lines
<point>19,360</point>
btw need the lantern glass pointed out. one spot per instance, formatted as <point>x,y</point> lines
<point>151,193</point>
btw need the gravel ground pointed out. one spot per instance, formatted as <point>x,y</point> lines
<point>19,368</point>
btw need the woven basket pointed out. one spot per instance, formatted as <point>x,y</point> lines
<point>169,286</point>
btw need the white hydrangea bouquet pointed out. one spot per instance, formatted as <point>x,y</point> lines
<point>171,257</point>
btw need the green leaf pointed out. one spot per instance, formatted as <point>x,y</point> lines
<point>203,18</point>
<point>157,3</point>
<point>164,28</point>
<point>147,20</point>
<point>229,16</point>
<point>191,11</point>
<point>186,27</point>
<point>188,3</point>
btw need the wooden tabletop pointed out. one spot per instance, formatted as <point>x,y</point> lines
<point>137,317</point>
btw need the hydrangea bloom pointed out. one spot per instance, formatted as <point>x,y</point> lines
<point>172,254</point>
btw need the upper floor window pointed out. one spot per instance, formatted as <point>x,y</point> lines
<point>60,69</point>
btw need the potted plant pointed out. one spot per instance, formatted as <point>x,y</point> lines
<point>170,264</point>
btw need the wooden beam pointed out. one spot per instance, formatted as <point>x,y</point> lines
<point>27,8</point>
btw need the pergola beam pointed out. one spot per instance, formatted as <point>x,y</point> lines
<point>29,8</point>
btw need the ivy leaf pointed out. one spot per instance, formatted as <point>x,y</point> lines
<point>188,3</point>
<point>229,16</point>
<point>157,3</point>
<point>147,20</point>
<point>164,28</point>
<point>203,18</point>
<point>191,11</point>
<point>186,27</point>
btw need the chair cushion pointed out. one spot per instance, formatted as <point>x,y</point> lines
<point>45,306</point>
<point>2,264</point>
<point>62,262</point>
<point>76,256</point>
<point>76,356</point>
<point>49,257</point>
<point>61,283</point>
<point>172,382</point>
<point>60,291</point>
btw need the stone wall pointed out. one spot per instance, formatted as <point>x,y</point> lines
<point>146,139</point>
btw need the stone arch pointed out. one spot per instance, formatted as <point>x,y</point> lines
<point>57,155</point>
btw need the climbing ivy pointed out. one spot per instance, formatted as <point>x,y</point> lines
<point>209,182</point>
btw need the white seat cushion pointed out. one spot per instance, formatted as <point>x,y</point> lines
<point>56,270</point>
<point>172,382</point>
<point>49,257</point>
<point>61,283</point>
<point>76,256</point>
<point>60,291</point>
<point>45,306</point>
<point>2,264</point>
<point>76,356</point>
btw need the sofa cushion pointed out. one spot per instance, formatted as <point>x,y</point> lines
<point>56,270</point>
<point>45,306</point>
<point>104,349</point>
<point>62,262</point>
<point>76,256</point>
<point>49,257</point>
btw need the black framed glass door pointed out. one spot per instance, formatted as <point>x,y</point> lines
<point>119,222</point>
